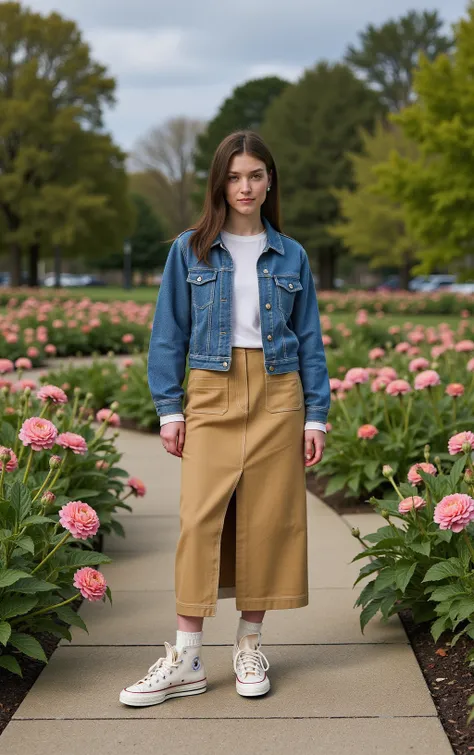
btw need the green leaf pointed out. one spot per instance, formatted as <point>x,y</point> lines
<point>33,585</point>
<point>423,547</point>
<point>374,566</point>
<point>438,627</point>
<point>5,632</point>
<point>80,493</point>
<point>25,543</point>
<point>385,578</point>
<point>457,471</point>
<point>28,645</point>
<point>10,662</point>
<point>371,467</point>
<point>369,611</point>
<point>84,558</point>
<point>445,592</point>
<point>10,576</point>
<point>117,527</point>
<point>452,567</point>
<point>37,519</point>
<point>405,571</point>
<point>117,472</point>
<point>16,605</point>
<point>8,435</point>
<point>407,490</point>
<point>20,500</point>
<point>67,614</point>
<point>336,482</point>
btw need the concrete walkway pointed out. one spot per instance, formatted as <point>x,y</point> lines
<point>333,691</point>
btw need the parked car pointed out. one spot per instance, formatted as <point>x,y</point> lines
<point>69,280</point>
<point>462,288</point>
<point>392,283</point>
<point>431,282</point>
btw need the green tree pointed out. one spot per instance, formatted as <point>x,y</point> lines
<point>148,247</point>
<point>310,128</point>
<point>437,189</point>
<point>373,224</point>
<point>62,181</point>
<point>244,109</point>
<point>388,55</point>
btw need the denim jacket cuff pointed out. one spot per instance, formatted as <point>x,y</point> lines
<point>316,414</point>
<point>168,407</point>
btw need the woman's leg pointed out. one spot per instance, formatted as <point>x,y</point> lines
<point>190,623</point>
<point>256,617</point>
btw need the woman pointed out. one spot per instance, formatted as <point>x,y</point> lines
<point>238,296</point>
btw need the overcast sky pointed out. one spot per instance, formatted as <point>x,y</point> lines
<point>182,57</point>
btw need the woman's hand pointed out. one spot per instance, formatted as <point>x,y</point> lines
<point>172,436</point>
<point>314,442</point>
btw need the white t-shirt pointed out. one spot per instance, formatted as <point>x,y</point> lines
<point>246,328</point>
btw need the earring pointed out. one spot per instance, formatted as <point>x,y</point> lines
<point>268,188</point>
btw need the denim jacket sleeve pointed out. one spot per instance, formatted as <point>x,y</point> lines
<point>307,328</point>
<point>169,341</point>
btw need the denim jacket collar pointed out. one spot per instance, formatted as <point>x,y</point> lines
<point>273,237</point>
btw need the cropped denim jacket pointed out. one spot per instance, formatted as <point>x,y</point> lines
<point>194,314</point>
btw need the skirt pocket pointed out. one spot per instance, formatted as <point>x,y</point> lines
<point>284,392</point>
<point>206,395</point>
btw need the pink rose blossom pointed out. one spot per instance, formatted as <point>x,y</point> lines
<point>76,443</point>
<point>357,375</point>
<point>466,345</point>
<point>79,519</point>
<point>388,372</point>
<point>127,362</point>
<point>335,384</point>
<point>6,365</point>
<point>456,442</point>
<point>412,502</point>
<point>376,353</point>
<point>380,382</point>
<point>470,365</point>
<point>401,347</point>
<point>367,431</point>
<point>32,352</point>
<point>454,389</point>
<point>398,388</point>
<point>50,348</point>
<point>454,512</point>
<point>418,364</point>
<point>413,475</point>
<point>426,379</point>
<point>436,351</point>
<point>38,432</point>
<point>22,363</point>
<point>52,393</point>
<point>137,486</point>
<point>327,340</point>
<point>106,415</point>
<point>13,463</point>
<point>128,338</point>
<point>90,582</point>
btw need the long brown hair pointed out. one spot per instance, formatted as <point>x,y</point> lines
<point>215,208</point>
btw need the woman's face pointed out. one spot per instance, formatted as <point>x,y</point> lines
<point>247,179</point>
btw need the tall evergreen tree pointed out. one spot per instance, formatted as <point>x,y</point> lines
<point>387,55</point>
<point>310,128</point>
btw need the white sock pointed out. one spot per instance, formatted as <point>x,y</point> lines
<point>188,639</point>
<point>247,627</point>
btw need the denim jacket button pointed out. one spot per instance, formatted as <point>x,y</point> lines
<point>271,368</point>
<point>199,278</point>
<point>269,338</point>
<point>224,364</point>
<point>290,285</point>
<point>265,270</point>
<point>268,306</point>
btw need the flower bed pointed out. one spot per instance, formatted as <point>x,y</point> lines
<point>424,563</point>
<point>34,329</point>
<point>397,302</point>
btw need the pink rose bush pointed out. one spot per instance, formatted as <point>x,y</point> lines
<point>424,555</point>
<point>48,449</point>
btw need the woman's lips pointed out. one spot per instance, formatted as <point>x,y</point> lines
<point>245,200</point>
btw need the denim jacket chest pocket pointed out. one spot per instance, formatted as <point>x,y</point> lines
<point>286,287</point>
<point>203,287</point>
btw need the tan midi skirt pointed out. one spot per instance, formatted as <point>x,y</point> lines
<point>243,519</point>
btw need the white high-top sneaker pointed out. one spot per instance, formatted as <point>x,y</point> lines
<point>179,674</point>
<point>250,666</point>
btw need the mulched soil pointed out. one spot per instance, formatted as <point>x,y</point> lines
<point>445,669</point>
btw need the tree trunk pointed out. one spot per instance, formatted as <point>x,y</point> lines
<point>33,265</point>
<point>57,266</point>
<point>327,270</point>
<point>405,276</point>
<point>15,265</point>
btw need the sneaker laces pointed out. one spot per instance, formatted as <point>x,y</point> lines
<point>163,665</point>
<point>252,661</point>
